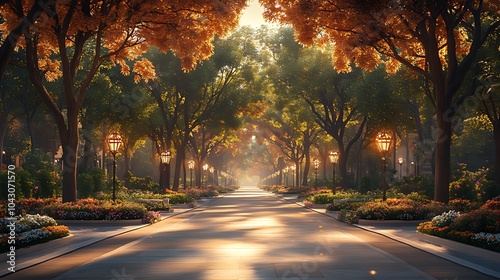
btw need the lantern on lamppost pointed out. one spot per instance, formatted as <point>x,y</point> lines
<point>293,175</point>
<point>400,161</point>
<point>191,167</point>
<point>205,168</point>
<point>384,140</point>
<point>316,166</point>
<point>334,158</point>
<point>165,160</point>
<point>114,142</point>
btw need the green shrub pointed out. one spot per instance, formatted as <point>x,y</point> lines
<point>179,198</point>
<point>463,188</point>
<point>473,186</point>
<point>44,178</point>
<point>348,216</point>
<point>323,198</point>
<point>367,184</point>
<point>392,209</point>
<point>99,179</point>
<point>143,183</point>
<point>85,185</point>
<point>422,185</point>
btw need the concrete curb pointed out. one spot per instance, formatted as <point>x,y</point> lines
<point>73,247</point>
<point>428,243</point>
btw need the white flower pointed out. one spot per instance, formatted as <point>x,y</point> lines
<point>490,238</point>
<point>446,218</point>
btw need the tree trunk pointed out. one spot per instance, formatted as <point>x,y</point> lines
<point>496,138</point>
<point>343,169</point>
<point>86,154</point>
<point>198,174</point>
<point>3,131</point>
<point>163,178</point>
<point>442,157</point>
<point>306,169</point>
<point>69,140</point>
<point>179,159</point>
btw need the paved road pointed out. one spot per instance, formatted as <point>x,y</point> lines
<point>248,234</point>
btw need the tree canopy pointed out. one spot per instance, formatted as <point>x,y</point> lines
<point>437,39</point>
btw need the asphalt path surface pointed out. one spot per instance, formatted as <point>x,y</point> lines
<point>248,234</point>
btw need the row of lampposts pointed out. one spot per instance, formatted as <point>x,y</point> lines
<point>383,141</point>
<point>114,141</point>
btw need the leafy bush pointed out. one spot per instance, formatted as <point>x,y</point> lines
<point>323,198</point>
<point>348,216</point>
<point>473,186</point>
<point>92,181</point>
<point>367,184</point>
<point>85,185</point>
<point>44,178</point>
<point>143,183</point>
<point>180,198</point>
<point>393,209</point>
<point>422,185</point>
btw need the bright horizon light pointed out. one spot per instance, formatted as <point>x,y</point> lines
<point>252,15</point>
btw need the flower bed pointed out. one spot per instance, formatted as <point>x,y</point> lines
<point>30,230</point>
<point>479,227</point>
<point>285,190</point>
<point>93,209</point>
<point>399,209</point>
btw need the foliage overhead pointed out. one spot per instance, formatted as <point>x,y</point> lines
<point>371,32</point>
<point>128,28</point>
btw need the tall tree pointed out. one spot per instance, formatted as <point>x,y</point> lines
<point>115,30</point>
<point>428,37</point>
<point>489,96</point>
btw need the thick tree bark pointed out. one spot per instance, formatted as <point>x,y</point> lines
<point>69,140</point>
<point>163,178</point>
<point>179,159</point>
<point>87,148</point>
<point>496,138</point>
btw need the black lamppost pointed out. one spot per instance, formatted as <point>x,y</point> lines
<point>316,166</point>
<point>205,168</point>
<point>400,161</point>
<point>191,167</point>
<point>384,144</point>
<point>114,142</point>
<point>334,158</point>
<point>293,175</point>
<point>165,159</point>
